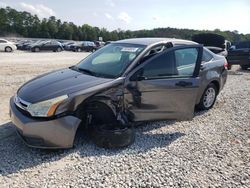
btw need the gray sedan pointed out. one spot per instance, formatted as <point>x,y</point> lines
<point>127,81</point>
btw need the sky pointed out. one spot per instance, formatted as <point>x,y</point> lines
<point>144,14</point>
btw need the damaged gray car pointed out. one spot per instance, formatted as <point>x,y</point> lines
<point>125,82</point>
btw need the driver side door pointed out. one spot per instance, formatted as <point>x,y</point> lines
<point>165,86</point>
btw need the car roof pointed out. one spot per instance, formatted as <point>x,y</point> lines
<point>150,41</point>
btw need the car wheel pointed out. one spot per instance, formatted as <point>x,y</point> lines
<point>244,67</point>
<point>78,50</point>
<point>112,136</point>
<point>8,49</point>
<point>93,50</point>
<point>208,97</point>
<point>59,49</point>
<point>105,130</point>
<point>37,49</point>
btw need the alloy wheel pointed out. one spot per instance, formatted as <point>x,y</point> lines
<point>209,97</point>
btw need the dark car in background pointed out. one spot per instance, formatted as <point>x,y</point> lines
<point>86,46</point>
<point>239,54</point>
<point>52,45</point>
<point>25,45</point>
<point>127,81</point>
<point>66,45</point>
<point>214,42</point>
<point>99,44</point>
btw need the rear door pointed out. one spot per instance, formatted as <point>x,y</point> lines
<point>165,86</point>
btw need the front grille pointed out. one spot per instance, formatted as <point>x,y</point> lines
<point>24,112</point>
<point>22,105</point>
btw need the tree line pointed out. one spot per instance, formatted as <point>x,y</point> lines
<point>24,24</point>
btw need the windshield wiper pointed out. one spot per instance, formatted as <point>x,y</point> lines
<point>83,70</point>
<point>86,71</point>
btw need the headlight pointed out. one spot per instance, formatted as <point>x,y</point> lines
<point>46,108</point>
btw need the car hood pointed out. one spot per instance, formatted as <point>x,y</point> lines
<point>57,83</point>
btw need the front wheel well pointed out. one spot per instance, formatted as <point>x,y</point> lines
<point>95,112</point>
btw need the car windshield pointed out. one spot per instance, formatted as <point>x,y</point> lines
<point>111,60</point>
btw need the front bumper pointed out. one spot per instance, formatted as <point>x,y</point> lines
<point>54,134</point>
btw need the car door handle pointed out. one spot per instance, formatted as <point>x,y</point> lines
<point>183,84</point>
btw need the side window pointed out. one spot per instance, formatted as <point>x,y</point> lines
<point>178,63</point>
<point>206,56</point>
<point>163,65</point>
<point>47,44</point>
<point>3,41</point>
<point>186,61</point>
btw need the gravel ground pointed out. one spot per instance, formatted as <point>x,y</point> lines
<point>212,150</point>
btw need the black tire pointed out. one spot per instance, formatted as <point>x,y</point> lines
<point>78,50</point>
<point>244,67</point>
<point>204,105</point>
<point>106,131</point>
<point>113,136</point>
<point>59,49</point>
<point>36,49</point>
<point>8,49</point>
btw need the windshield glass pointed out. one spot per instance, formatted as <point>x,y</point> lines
<point>111,60</point>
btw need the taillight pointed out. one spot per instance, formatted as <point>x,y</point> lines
<point>226,64</point>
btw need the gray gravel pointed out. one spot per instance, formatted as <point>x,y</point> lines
<point>212,150</point>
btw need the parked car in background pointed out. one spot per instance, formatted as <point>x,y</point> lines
<point>86,46</point>
<point>240,55</point>
<point>7,46</point>
<point>70,46</point>
<point>53,45</point>
<point>25,45</point>
<point>108,42</point>
<point>215,43</point>
<point>66,45</point>
<point>99,44</point>
<point>127,81</point>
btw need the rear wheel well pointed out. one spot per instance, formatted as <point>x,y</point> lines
<point>216,83</point>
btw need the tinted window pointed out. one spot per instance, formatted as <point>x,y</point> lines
<point>47,43</point>
<point>55,43</point>
<point>163,65</point>
<point>3,41</point>
<point>180,63</point>
<point>206,56</point>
